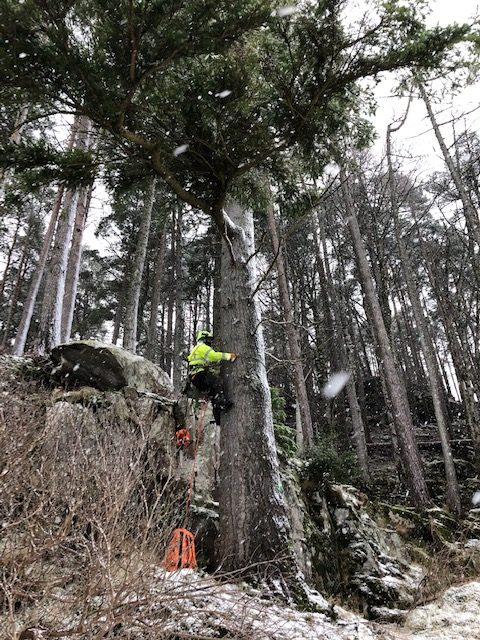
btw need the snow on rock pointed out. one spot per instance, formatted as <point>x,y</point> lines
<point>454,616</point>
<point>384,579</point>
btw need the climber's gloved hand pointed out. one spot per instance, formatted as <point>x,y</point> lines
<point>233,357</point>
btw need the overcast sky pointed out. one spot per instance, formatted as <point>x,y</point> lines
<point>416,136</point>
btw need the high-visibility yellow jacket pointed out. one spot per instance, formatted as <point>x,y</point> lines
<point>203,357</point>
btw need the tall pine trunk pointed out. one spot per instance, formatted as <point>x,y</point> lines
<point>135,282</point>
<point>158,275</point>
<point>8,261</point>
<point>291,331</point>
<point>49,333</point>
<point>402,419</point>
<point>14,137</point>
<point>74,261</point>
<point>337,301</point>
<point>29,304</point>
<point>453,493</point>
<point>16,289</point>
<point>179,337</point>
<point>253,521</point>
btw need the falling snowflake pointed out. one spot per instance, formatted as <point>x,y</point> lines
<point>282,12</point>
<point>179,150</point>
<point>22,55</point>
<point>335,384</point>
<point>223,94</point>
<point>76,367</point>
<point>476,499</point>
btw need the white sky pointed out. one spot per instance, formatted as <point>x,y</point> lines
<point>416,137</point>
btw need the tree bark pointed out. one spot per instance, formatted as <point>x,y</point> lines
<point>291,332</point>
<point>29,305</point>
<point>179,335</point>
<point>253,522</point>
<point>133,295</point>
<point>408,447</point>
<point>453,493</point>
<point>346,357</point>
<point>74,261</point>
<point>49,334</point>
<point>158,275</point>
<point>14,137</point>
<point>16,290</point>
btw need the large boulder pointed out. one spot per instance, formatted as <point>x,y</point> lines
<point>108,368</point>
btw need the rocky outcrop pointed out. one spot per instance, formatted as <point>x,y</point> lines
<point>108,368</point>
<point>357,558</point>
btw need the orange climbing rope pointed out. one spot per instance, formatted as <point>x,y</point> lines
<point>180,552</point>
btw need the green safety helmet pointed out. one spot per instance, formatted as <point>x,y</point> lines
<point>204,335</point>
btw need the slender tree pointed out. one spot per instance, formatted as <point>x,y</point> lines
<point>453,493</point>
<point>291,332</point>
<point>133,294</point>
<point>397,395</point>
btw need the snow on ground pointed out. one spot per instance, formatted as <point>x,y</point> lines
<point>454,616</point>
<point>204,605</point>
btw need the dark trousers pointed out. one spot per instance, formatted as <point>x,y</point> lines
<point>212,384</point>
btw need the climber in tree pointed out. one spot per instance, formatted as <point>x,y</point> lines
<point>204,372</point>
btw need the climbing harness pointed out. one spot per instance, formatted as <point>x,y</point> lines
<point>180,552</point>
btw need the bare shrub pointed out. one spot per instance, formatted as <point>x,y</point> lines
<point>85,510</point>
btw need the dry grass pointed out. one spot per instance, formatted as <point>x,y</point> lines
<point>85,508</point>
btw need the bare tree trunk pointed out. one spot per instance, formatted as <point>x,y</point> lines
<point>253,522</point>
<point>74,261</point>
<point>29,304</point>
<point>179,337</point>
<point>133,295</point>
<point>460,363</point>
<point>8,261</point>
<point>158,275</point>
<point>51,314</point>
<point>16,290</point>
<point>470,212</point>
<point>291,334</point>
<point>346,357</point>
<point>117,321</point>
<point>453,493</point>
<point>410,454</point>
<point>168,335</point>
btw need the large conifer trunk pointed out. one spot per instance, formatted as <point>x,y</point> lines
<point>253,521</point>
